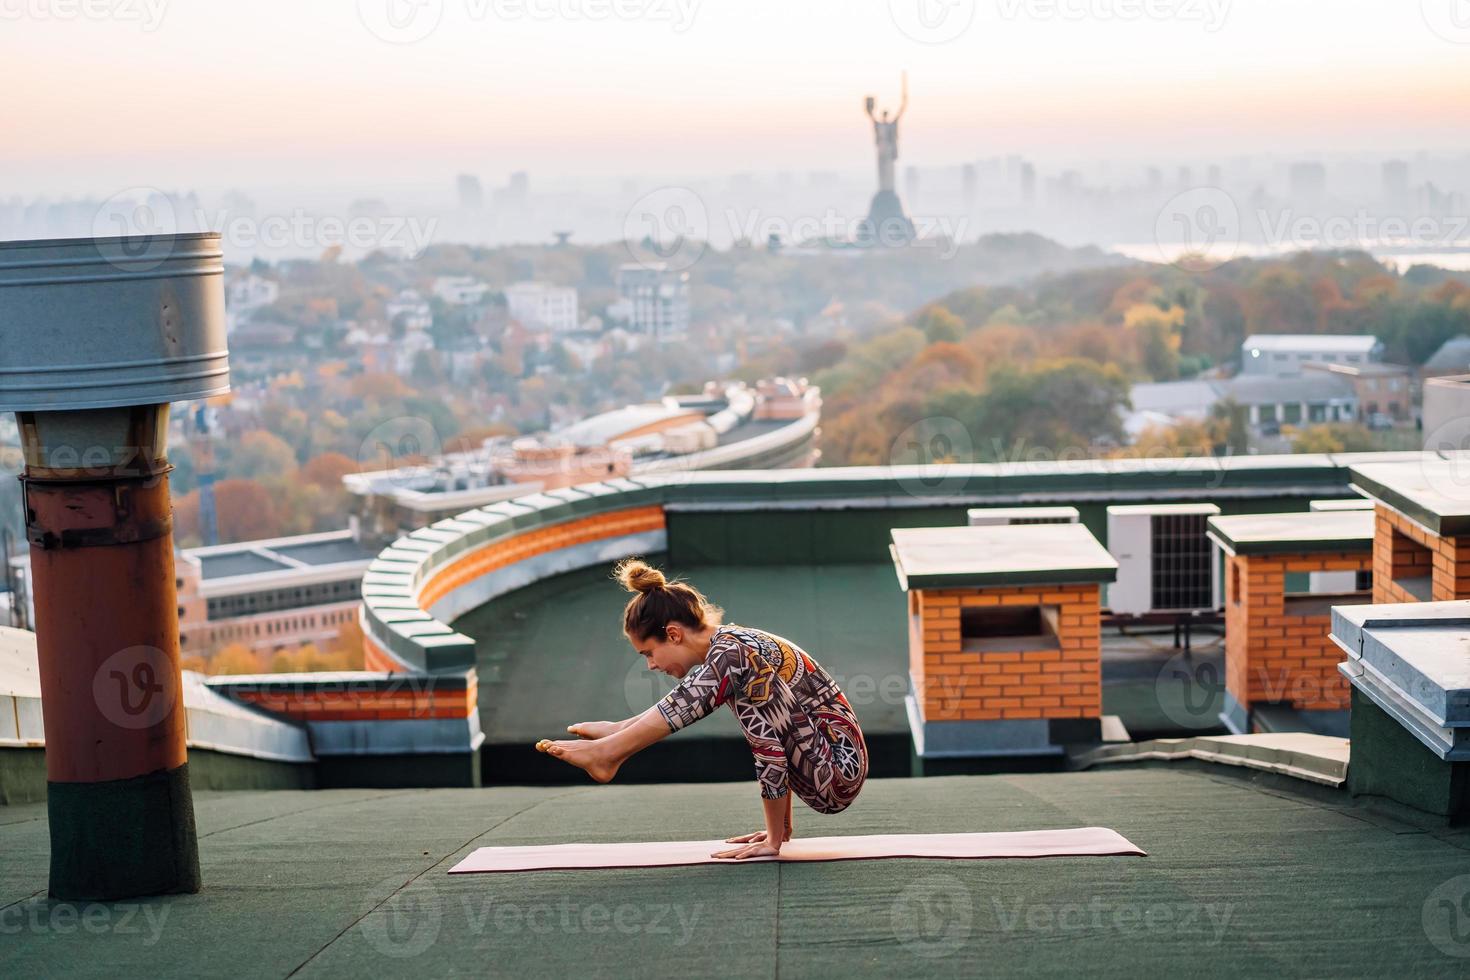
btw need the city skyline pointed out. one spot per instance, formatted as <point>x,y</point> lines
<point>278,96</point>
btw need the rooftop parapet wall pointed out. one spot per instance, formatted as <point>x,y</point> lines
<point>407,606</point>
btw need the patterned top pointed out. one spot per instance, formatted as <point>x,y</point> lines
<point>739,669</point>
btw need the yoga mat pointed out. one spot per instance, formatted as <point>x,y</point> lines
<point>1081,841</point>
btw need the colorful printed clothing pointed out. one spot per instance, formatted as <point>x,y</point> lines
<point>801,729</point>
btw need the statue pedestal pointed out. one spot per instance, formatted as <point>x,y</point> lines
<point>886,224</point>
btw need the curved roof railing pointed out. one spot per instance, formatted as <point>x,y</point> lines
<point>426,579</point>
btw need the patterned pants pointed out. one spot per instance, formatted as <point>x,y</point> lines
<point>826,759</point>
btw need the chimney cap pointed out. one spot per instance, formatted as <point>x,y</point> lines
<point>110,322</point>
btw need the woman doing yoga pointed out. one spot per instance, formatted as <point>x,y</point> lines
<point>801,730</point>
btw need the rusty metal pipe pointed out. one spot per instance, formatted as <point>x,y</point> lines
<point>102,563</point>
<point>100,336</point>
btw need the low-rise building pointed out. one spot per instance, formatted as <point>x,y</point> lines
<point>1309,399</point>
<point>1382,390</point>
<point>1452,358</point>
<point>539,304</point>
<point>460,290</point>
<point>411,310</point>
<point>269,595</point>
<point>1286,354</point>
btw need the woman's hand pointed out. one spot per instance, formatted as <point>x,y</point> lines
<point>747,851</point>
<point>758,837</point>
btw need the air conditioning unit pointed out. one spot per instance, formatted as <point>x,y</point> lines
<point>1165,562</point>
<point>999,516</point>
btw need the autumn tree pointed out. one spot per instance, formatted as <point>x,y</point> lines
<point>234,659</point>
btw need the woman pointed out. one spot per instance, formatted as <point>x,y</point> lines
<point>801,730</point>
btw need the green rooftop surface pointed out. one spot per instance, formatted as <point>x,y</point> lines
<point>1026,554</point>
<point>1431,490</point>
<point>1277,534</point>
<point>1240,881</point>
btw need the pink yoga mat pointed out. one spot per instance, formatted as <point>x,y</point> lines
<point>1081,841</point>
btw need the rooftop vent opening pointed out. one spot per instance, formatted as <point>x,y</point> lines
<point>1008,628</point>
<point>1412,566</point>
<point>1315,593</point>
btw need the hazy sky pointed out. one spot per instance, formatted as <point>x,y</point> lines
<point>100,94</point>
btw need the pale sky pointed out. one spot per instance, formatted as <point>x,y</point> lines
<point>211,93</point>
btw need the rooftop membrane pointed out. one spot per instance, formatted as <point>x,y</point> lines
<point>1241,880</point>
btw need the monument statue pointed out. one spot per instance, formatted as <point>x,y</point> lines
<point>886,223</point>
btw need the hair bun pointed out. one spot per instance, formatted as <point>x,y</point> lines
<point>638,576</point>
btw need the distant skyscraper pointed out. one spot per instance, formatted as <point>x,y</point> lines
<point>1396,183</point>
<point>1213,176</point>
<point>911,184</point>
<point>516,193</point>
<point>1028,184</point>
<point>1307,178</point>
<point>969,180</point>
<point>471,194</point>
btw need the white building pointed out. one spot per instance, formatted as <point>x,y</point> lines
<point>655,300</point>
<point>413,308</point>
<point>539,304</point>
<point>246,294</point>
<point>460,290</point>
<point>1282,355</point>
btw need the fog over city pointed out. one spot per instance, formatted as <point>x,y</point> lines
<point>506,121</point>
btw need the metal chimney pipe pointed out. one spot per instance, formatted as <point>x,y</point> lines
<point>100,335</point>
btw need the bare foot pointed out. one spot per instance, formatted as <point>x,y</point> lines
<point>589,756</point>
<point>594,729</point>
